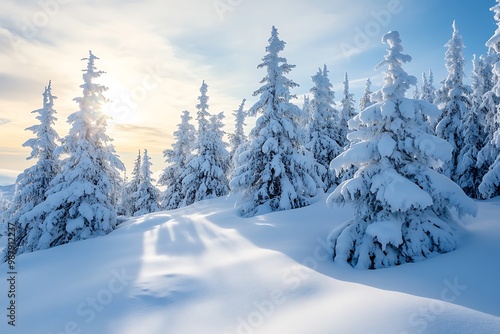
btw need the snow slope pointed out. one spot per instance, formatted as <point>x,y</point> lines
<point>203,269</point>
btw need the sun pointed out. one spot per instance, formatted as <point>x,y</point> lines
<point>120,108</point>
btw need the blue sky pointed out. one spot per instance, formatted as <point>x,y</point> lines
<point>156,54</point>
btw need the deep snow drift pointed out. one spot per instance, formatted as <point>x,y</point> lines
<point>203,269</point>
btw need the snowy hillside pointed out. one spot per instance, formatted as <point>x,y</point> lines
<point>203,269</point>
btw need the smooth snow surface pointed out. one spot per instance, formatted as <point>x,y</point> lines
<point>203,269</point>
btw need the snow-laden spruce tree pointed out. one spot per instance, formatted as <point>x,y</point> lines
<point>323,134</point>
<point>147,197</point>
<point>490,185</point>
<point>277,172</point>
<point>238,138</point>
<point>366,101</point>
<point>82,200</point>
<point>205,175</point>
<point>33,183</point>
<point>177,158</point>
<point>401,203</point>
<point>347,112</point>
<point>428,90</point>
<point>453,100</point>
<point>469,171</point>
<point>127,203</point>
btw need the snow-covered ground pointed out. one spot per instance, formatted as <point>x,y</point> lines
<point>203,269</point>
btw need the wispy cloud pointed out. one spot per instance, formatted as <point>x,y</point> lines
<point>4,121</point>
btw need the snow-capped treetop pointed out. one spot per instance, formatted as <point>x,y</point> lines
<point>276,67</point>
<point>396,80</point>
<point>202,114</point>
<point>45,143</point>
<point>494,41</point>
<point>455,62</point>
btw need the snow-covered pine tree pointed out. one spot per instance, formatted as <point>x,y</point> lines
<point>365,101</point>
<point>128,203</point>
<point>82,200</point>
<point>147,196</point>
<point>238,138</point>
<point>400,202</point>
<point>428,90</point>
<point>277,173</point>
<point>471,172</point>
<point>177,158</point>
<point>453,100</point>
<point>347,112</point>
<point>323,134</point>
<point>490,185</point>
<point>33,183</point>
<point>219,155</point>
<point>205,175</point>
<point>469,175</point>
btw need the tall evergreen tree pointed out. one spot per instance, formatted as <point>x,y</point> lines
<point>347,112</point>
<point>82,200</point>
<point>471,168</point>
<point>147,196</point>
<point>177,159</point>
<point>453,101</point>
<point>33,183</point>
<point>323,133</point>
<point>277,173</point>
<point>128,202</point>
<point>365,101</point>
<point>238,138</point>
<point>490,185</point>
<point>205,175</point>
<point>401,203</point>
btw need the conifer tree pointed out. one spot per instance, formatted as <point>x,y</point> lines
<point>205,175</point>
<point>453,101</point>
<point>238,138</point>
<point>147,196</point>
<point>33,183</point>
<point>347,112</point>
<point>490,184</point>
<point>322,130</point>
<point>365,101</point>
<point>400,202</point>
<point>428,89</point>
<point>277,173</point>
<point>81,202</point>
<point>177,159</point>
<point>128,202</point>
